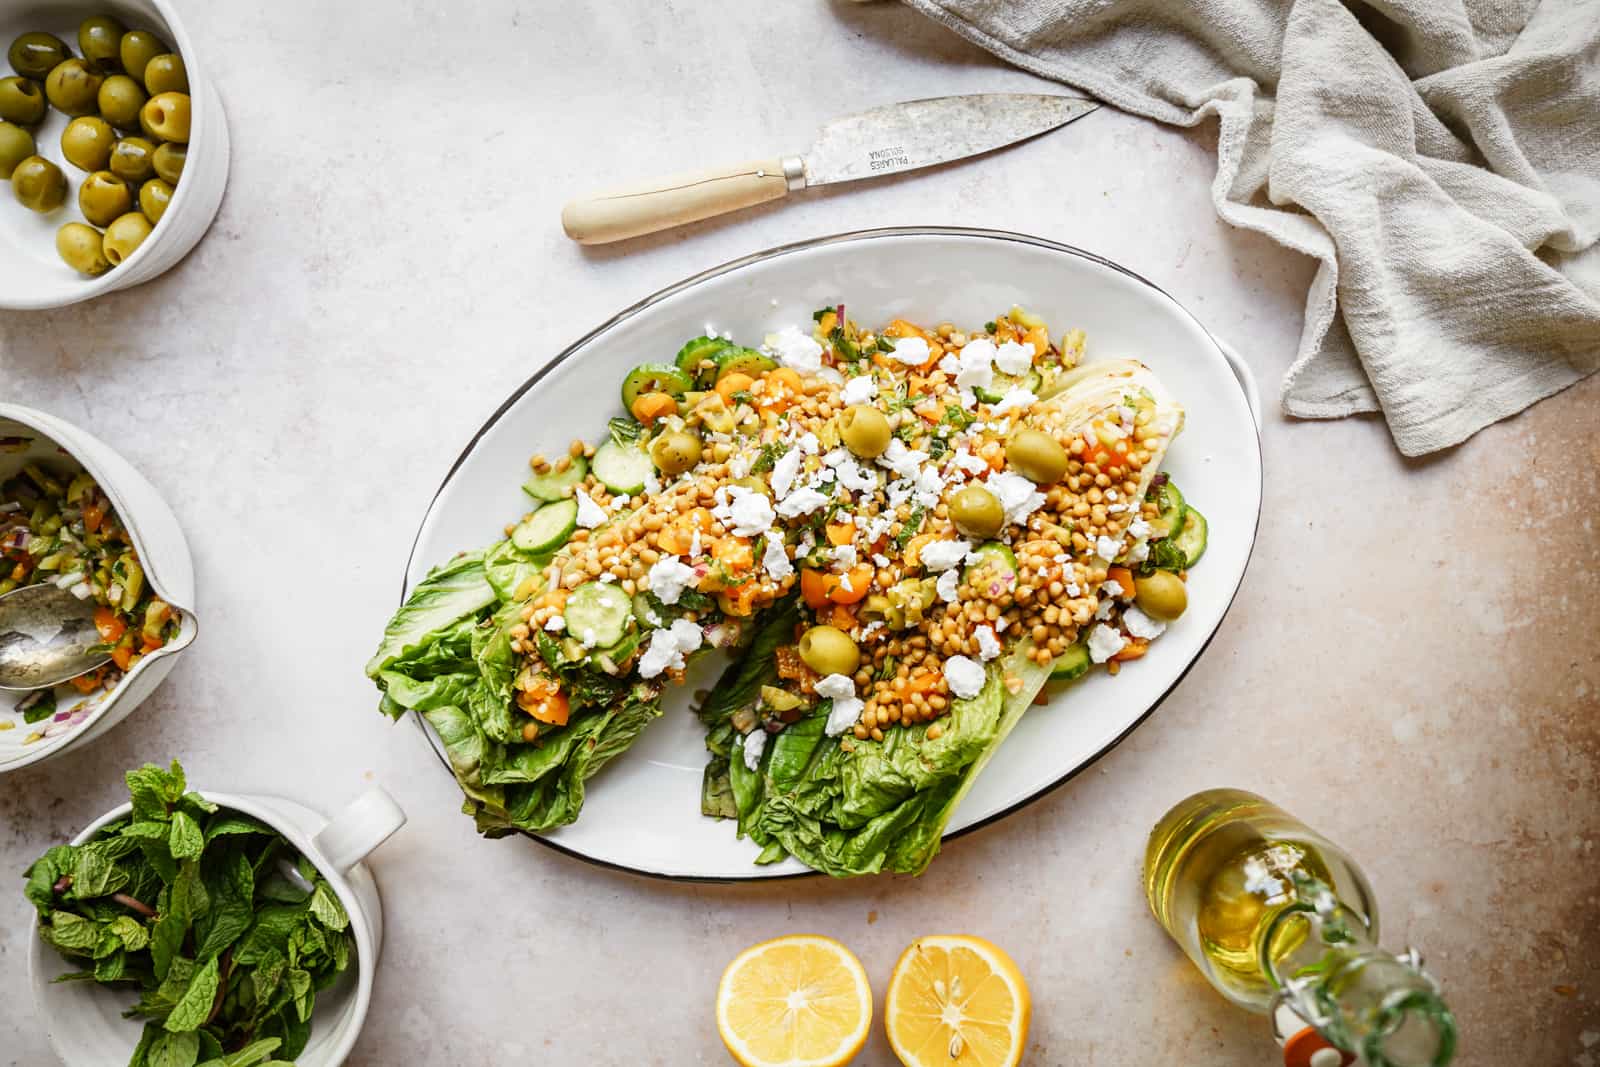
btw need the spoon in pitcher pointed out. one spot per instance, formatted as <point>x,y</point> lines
<point>47,636</point>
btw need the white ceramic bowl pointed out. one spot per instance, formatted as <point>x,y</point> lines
<point>84,1020</point>
<point>163,552</point>
<point>642,813</point>
<point>32,274</point>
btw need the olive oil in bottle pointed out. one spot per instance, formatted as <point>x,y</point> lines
<point>1275,914</point>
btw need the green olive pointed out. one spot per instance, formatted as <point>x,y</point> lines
<point>829,650</point>
<point>755,483</point>
<point>100,41</point>
<point>864,430</point>
<point>977,512</point>
<point>34,55</point>
<point>73,88</point>
<point>39,184</point>
<point>137,48</point>
<point>103,198</point>
<point>169,162</point>
<point>87,141</point>
<point>1161,595</point>
<point>120,100</point>
<point>1037,456</point>
<point>154,196</point>
<point>879,608</point>
<point>133,158</point>
<point>80,248</point>
<point>124,236</point>
<point>21,101</point>
<point>166,74</point>
<point>913,597</point>
<point>166,117</point>
<point>675,451</point>
<point>16,144</point>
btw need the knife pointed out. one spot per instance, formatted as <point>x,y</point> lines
<point>885,140</point>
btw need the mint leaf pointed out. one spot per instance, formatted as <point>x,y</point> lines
<point>174,1050</point>
<point>194,1007</point>
<point>154,791</point>
<point>230,824</point>
<point>326,907</point>
<point>186,840</point>
<point>72,933</point>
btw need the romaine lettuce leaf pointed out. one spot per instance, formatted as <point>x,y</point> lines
<point>450,594</point>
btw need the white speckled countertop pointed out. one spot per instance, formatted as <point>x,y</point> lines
<point>1399,668</point>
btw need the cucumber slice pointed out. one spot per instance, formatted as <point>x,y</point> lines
<point>557,485</point>
<point>1072,664</point>
<point>694,356</point>
<point>548,528</point>
<point>622,468</point>
<point>598,614</point>
<point>653,378</point>
<point>997,560</point>
<point>1192,538</point>
<point>1001,383</point>
<point>1172,505</point>
<point>736,359</point>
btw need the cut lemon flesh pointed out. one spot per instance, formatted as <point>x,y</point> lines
<point>957,1001</point>
<point>800,1001</point>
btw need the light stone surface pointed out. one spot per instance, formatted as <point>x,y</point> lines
<point>1410,665</point>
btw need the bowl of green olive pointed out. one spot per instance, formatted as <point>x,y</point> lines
<point>113,148</point>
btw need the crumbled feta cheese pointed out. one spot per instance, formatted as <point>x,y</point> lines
<point>694,544</point>
<point>977,364</point>
<point>1107,547</point>
<point>739,464</point>
<point>808,443</point>
<point>878,527</point>
<point>968,398</point>
<point>1105,609</point>
<point>900,491</point>
<point>912,351</point>
<point>966,461</point>
<point>784,472</point>
<point>950,363</point>
<point>652,484</point>
<point>1116,509</point>
<point>858,390</point>
<point>668,647</point>
<point>988,644</point>
<point>775,561</point>
<point>964,677</point>
<point>587,637</point>
<point>905,462</point>
<point>1111,494</point>
<point>844,555</point>
<point>1000,625</point>
<point>942,555</point>
<point>796,350</point>
<point>1138,552</point>
<point>1138,529</point>
<point>801,502</point>
<point>880,560</point>
<point>556,623</point>
<point>929,486</point>
<point>755,743</point>
<point>1111,587</point>
<point>590,514</point>
<point>1141,625</point>
<point>744,512</point>
<point>669,578</point>
<point>949,586</point>
<point>1013,358</point>
<point>855,477</point>
<point>1018,496</point>
<point>846,705</point>
<point>1105,642</point>
<point>1015,399</point>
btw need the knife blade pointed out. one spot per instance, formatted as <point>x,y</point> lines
<point>885,140</point>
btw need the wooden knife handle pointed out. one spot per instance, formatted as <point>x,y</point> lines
<point>684,198</point>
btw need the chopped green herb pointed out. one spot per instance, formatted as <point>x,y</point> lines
<point>989,327</point>
<point>957,417</point>
<point>910,528</point>
<point>743,396</point>
<point>625,431</point>
<point>885,344</point>
<point>770,454</point>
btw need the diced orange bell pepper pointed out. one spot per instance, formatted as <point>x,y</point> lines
<point>122,655</point>
<point>923,682</point>
<point>108,625</point>
<point>841,533</point>
<point>736,382</point>
<point>843,616</point>
<point>652,406</point>
<point>1134,649</point>
<point>814,587</point>
<point>1039,338</point>
<point>546,702</point>
<point>94,513</point>
<point>1123,577</point>
<point>88,683</point>
<point>860,582</point>
<point>902,328</point>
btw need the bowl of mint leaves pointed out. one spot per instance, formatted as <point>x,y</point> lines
<point>189,929</point>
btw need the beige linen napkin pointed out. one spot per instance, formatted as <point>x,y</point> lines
<point>1441,158</point>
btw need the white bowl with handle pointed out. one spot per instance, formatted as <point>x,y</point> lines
<point>28,436</point>
<point>84,1020</point>
<point>32,274</point>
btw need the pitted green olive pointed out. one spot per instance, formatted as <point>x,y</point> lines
<point>16,144</point>
<point>104,198</point>
<point>675,451</point>
<point>1037,456</point>
<point>913,597</point>
<point>73,88</point>
<point>39,184</point>
<point>166,117</point>
<point>79,247</point>
<point>829,650</point>
<point>35,55</point>
<point>166,74</point>
<point>134,159</point>
<point>864,430</point>
<point>170,159</point>
<point>137,48</point>
<point>120,100</point>
<point>124,236</point>
<point>154,196</point>
<point>87,141</point>
<point>1161,595</point>
<point>100,41</point>
<point>879,608</point>
<point>21,101</point>
<point>976,512</point>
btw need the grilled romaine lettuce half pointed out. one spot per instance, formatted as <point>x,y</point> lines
<point>869,806</point>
